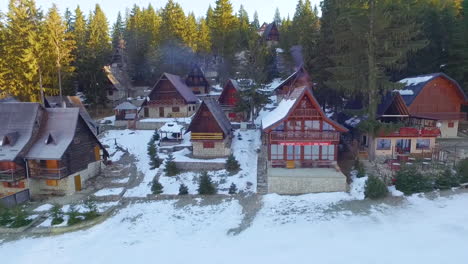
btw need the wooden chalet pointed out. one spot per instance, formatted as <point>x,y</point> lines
<point>197,81</point>
<point>417,137</point>
<point>298,79</point>
<point>436,100</point>
<point>211,131</point>
<point>301,146</point>
<point>46,150</point>
<point>269,33</point>
<point>170,97</point>
<point>228,100</point>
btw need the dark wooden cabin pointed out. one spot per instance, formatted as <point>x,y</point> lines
<point>170,97</point>
<point>298,79</point>
<point>271,33</point>
<point>229,99</point>
<point>197,81</point>
<point>298,134</point>
<point>211,131</point>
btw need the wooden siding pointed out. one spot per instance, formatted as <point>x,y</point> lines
<point>229,95</point>
<point>438,96</point>
<point>205,122</point>
<point>165,93</point>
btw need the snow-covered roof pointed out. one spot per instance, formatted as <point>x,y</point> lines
<point>171,127</point>
<point>278,113</point>
<point>125,106</point>
<point>416,80</point>
<point>405,92</point>
<point>354,121</point>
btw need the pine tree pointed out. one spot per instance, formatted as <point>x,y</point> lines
<point>117,31</point>
<point>171,167</point>
<point>191,34</point>
<point>205,185</point>
<point>245,31</point>
<point>255,22</point>
<point>156,187</point>
<point>57,215</point>
<point>232,165</point>
<point>173,22</point>
<point>60,43</point>
<point>277,18</point>
<point>375,188</point>
<point>80,35</point>
<point>458,51</point>
<point>204,37</point>
<point>232,189</point>
<point>183,189</point>
<point>153,155</point>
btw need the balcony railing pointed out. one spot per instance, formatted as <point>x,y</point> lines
<point>305,135</point>
<point>413,132</point>
<point>207,136</point>
<point>305,112</point>
<point>304,164</point>
<point>12,175</point>
<point>48,173</point>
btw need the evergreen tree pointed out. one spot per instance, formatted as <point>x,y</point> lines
<point>256,21</point>
<point>117,31</point>
<point>232,165</point>
<point>206,186</point>
<point>209,16</point>
<point>458,53</point>
<point>171,167</point>
<point>183,189</point>
<point>375,188</point>
<point>80,35</point>
<point>277,18</point>
<point>244,29</point>
<point>153,155</point>
<point>232,189</point>
<point>204,37</point>
<point>173,22</point>
<point>462,170</point>
<point>57,215</point>
<point>191,34</point>
<point>156,187</point>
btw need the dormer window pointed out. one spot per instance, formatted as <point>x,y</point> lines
<point>5,141</point>
<point>8,139</point>
<point>50,139</point>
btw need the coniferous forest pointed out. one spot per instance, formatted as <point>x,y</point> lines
<point>354,49</point>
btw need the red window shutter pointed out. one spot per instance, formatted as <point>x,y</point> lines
<point>232,115</point>
<point>208,144</point>
<point>451,124</point>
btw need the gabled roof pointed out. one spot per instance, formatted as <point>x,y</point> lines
<point>218,114</point>
<point>293,77</point>
<point>268,29</point>
<point>17,123</point>
<point>414,85</point>
<point>287,105</point>
<point>180,86</point>
<point>393,98</point>
<point>57,134</point>
<point>72,101</point>
<point>126,106</point>
<point>196,72</point>
<point>234,83</point>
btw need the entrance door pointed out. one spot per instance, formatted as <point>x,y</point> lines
<point>77,183</point>
<point>403,146</point>
<point>161,111</point>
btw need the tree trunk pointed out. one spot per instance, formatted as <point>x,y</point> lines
<point>59,70</point>
<point>372,78</point>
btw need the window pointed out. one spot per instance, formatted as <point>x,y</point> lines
<point>328,152</point>
<point>175,109</point>
<point>312,125</point>
<point>451,124</point>
<point>277,152</point>
<point>384,144</point>
<point>280,127</point>
<point>328,127</point>
<point>294,152</point>
<point>111,93</point>
<point>423,144</point>
<point>208,144</point>
<point>311,152</point>
<point>232,115</point>
<point>294,125</point>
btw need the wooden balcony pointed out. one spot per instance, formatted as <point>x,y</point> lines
<point>12,175</point>
<point>413,132</point>
<point>48,173</point>
<point>207,136</point>
<point>305,136</point>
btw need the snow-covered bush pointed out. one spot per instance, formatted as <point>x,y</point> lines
<point>232,165</point>
<point>91,209</point>
<point>233,189</point>
<point>20,217</point>
<point>409,180</point>
<point>74,216</point>
<point>375,188</point>
<point>156,187</point>
<point>447,180</point>
<point>183,189</point>
<point>155,162</point>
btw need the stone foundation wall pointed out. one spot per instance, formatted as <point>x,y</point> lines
<point>221,149</point>
<point>200,166</point>
<point>303,185</point>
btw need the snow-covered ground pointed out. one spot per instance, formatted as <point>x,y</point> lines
<point>315,228</point>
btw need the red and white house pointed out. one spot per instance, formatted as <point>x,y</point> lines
<point>301,144</point>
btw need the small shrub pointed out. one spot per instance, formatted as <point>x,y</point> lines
<point>359,167</point>
<point>232,165</point>
<point>57,215</point>
<point>375,188</point>
<point>171,167</point>
<point>183,189</point>
<point>206,186</point>
<point>74,217</point>
<point>91,209</point>
<point>462,171</point>
<point>155,136</point>
<point>233,189</point>
<point>19,218</point>
<point>5,216</point>
<point>409,180</point>
<point>446,180</point>
<point>156,187</point>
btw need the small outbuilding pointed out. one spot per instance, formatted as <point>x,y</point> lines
<point>126,111</point>
<point>171,134</point>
